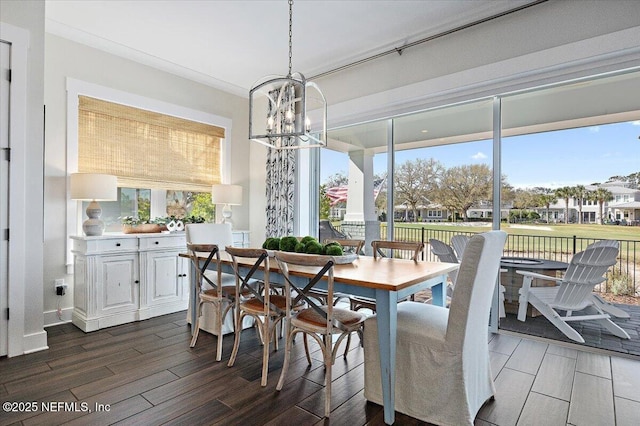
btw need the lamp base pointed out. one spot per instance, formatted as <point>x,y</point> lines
<point>93,227</point>
<point>226,215</point>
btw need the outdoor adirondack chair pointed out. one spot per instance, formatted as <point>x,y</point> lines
<point>606,306</point>
<point>573,294</point>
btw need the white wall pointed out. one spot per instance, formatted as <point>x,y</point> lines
<point>546,43</point>
<point>28,319</point>
<point>66,59</point>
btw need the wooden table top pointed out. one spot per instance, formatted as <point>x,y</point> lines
<point>382,273</point>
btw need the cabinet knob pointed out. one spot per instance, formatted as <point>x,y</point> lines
<point>117,244</point>
<point>157,242</point>
<point>137,281</point>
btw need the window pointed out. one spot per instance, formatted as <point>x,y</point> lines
<point>149,151</point>
<point>153,196</point>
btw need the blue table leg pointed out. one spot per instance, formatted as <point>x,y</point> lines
<point>439,292</point>
<point>387,313</point>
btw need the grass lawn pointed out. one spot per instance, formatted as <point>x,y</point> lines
<point>591,231</point>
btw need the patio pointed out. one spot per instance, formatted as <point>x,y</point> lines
<point>594,335</point>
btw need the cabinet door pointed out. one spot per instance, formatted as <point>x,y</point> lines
<point>118,284</point>
<point>163,278</point>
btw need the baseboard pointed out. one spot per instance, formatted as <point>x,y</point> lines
<point>35,342</point>
<point>51,318</point>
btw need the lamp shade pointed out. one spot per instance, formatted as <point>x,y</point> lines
<point>226,194</point>
<point>94,186</point>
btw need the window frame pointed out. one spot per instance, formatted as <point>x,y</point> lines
<point>76,88</point>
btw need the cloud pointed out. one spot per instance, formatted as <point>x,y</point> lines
<point>479,156</point>
<point>594,129</point>
<point>635,123</point>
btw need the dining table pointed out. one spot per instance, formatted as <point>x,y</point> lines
<point>387,280</point>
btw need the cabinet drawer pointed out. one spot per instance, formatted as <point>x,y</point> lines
<point>105,245</point>
<point>162,241</point>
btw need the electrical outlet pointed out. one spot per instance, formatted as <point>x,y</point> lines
<point>60,286</point>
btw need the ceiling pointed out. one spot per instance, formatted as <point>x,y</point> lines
<point>590,102</point>
<point>231,44</point>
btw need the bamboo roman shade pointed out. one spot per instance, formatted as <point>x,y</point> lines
<point>146,149</point>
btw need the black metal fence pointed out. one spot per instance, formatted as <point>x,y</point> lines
<point>622,279</point>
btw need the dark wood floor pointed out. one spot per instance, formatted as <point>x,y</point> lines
<point>145,373</point>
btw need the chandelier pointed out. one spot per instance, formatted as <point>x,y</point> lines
<point>295,109</point>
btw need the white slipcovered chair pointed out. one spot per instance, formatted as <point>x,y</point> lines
<point>574,292</point>
<point>218,234</point>
<point>443,374</point>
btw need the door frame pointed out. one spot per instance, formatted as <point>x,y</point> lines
<point>18,38</point>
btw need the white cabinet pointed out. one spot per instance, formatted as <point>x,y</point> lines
<point>125,278</point>
<point>117,284</point>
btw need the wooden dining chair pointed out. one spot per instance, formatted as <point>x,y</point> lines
<point>267,309</point>
<point>382,248</point>
<point>349,245</point>
<point>219,296</point>
<point>221,235</point>
<point>320,322</point>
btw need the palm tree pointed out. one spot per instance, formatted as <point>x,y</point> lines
<point>546,197</point>
<point>580,193</point>
<point>564,193</point>
<point>602,195</point>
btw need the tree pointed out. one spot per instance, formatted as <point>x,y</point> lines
<point>602,195</point>
<point>462,186</point>
<point>523,199</point>
<point>414,180</point>
<point>201,205</point>
<point>579,192</point>
<point>325,203</point>
<point>336,179</point>
<point>564,193</point>
<point>546,197</point>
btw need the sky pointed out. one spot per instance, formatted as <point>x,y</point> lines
<point>570,157</point>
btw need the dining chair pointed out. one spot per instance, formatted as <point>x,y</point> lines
<point>443,373</point>
<point>382,248</point>
<point>267,309</point>
<point>320,322</point>
<point>219,297</point>
<point>349,245</point>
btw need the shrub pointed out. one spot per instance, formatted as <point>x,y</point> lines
<point>313,247</point>
<point>274,244</point>
<point>621,284</point>
<point>334,250</point>
<point>288,243</point>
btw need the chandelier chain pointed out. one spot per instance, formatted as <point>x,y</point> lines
<point>290,33</point>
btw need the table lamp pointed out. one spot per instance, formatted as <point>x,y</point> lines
<point>229,195</point>
<point>93,187</point>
